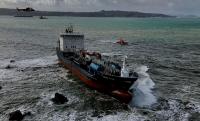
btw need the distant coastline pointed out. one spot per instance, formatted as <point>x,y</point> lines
<point>103,13</point>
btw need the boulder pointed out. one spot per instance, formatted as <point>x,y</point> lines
<point>59,99</point>
<point>27,114</point>
<point>12,61</point>
<point>0,87</point>
<point>162,104</point>
<point>145,112</point>
<point>16,116</point>
<point>8,67</point>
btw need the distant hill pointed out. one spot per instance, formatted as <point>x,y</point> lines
<point>13,12</point>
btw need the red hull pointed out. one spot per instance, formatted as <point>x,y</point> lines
<point>121,95</point>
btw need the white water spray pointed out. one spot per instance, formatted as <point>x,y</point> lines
<point>142,89</point>
<point>124,70</point>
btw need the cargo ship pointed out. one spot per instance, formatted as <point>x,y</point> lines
<point>92,68</point>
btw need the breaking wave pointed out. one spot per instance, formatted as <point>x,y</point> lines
<point>11,70</point>
<point>39,62</point>
<point>142,89</point>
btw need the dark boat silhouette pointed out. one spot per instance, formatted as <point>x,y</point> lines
<point>42,17</point>
<point>94,69</point>
<point>122,42</point>
<point>26,12</point>
<point>28,9</point>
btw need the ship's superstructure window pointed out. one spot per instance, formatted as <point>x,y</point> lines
<point>71,42</point>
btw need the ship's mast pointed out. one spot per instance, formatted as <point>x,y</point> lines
<point>69,29</point>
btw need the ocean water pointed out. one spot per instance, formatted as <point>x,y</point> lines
<point>169,47</point>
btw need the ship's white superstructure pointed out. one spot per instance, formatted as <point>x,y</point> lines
<point>71,41</point>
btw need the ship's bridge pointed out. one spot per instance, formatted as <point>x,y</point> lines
<point>71,41</point>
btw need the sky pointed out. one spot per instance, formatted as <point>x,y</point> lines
<point>171,7</point>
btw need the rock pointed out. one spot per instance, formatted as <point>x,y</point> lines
<point>12,61</point>
<point>59,99</point>
<point>95,114</point>
<point>108,112</point>
<point>27,114</point>
<point>99,116</point>
<point>186,102</point>
<point>162,104</point>
<point>190,106</point>
<point>145,113</point>
<point>16,116</point>
<point>8,67</point>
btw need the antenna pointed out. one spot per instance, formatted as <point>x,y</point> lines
<point>69,28</point>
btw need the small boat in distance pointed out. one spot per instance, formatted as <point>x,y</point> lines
<point>122,42</point>
<point>43,17</point>
<point>92,68</point>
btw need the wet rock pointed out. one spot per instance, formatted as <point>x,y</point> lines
<point>99,116</point>
<point>36,68</point>
<point>16,116</point>
<point>186,102</point>
<point>27,114</point>
<point>108,112</point>
<point>195,117</point>
<point>95,114</point>
<point>109,104</point>
<point>8,67</point>
<point>12,61</point>
<point>20,70</point>
<point>189,106</point>
<point>105,105</point>
<point>145,113</point>
<point>162,104</point>
<point>89,103</point>
<point>59,99</point>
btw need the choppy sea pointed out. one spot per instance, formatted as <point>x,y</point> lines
<point>168,91</point>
